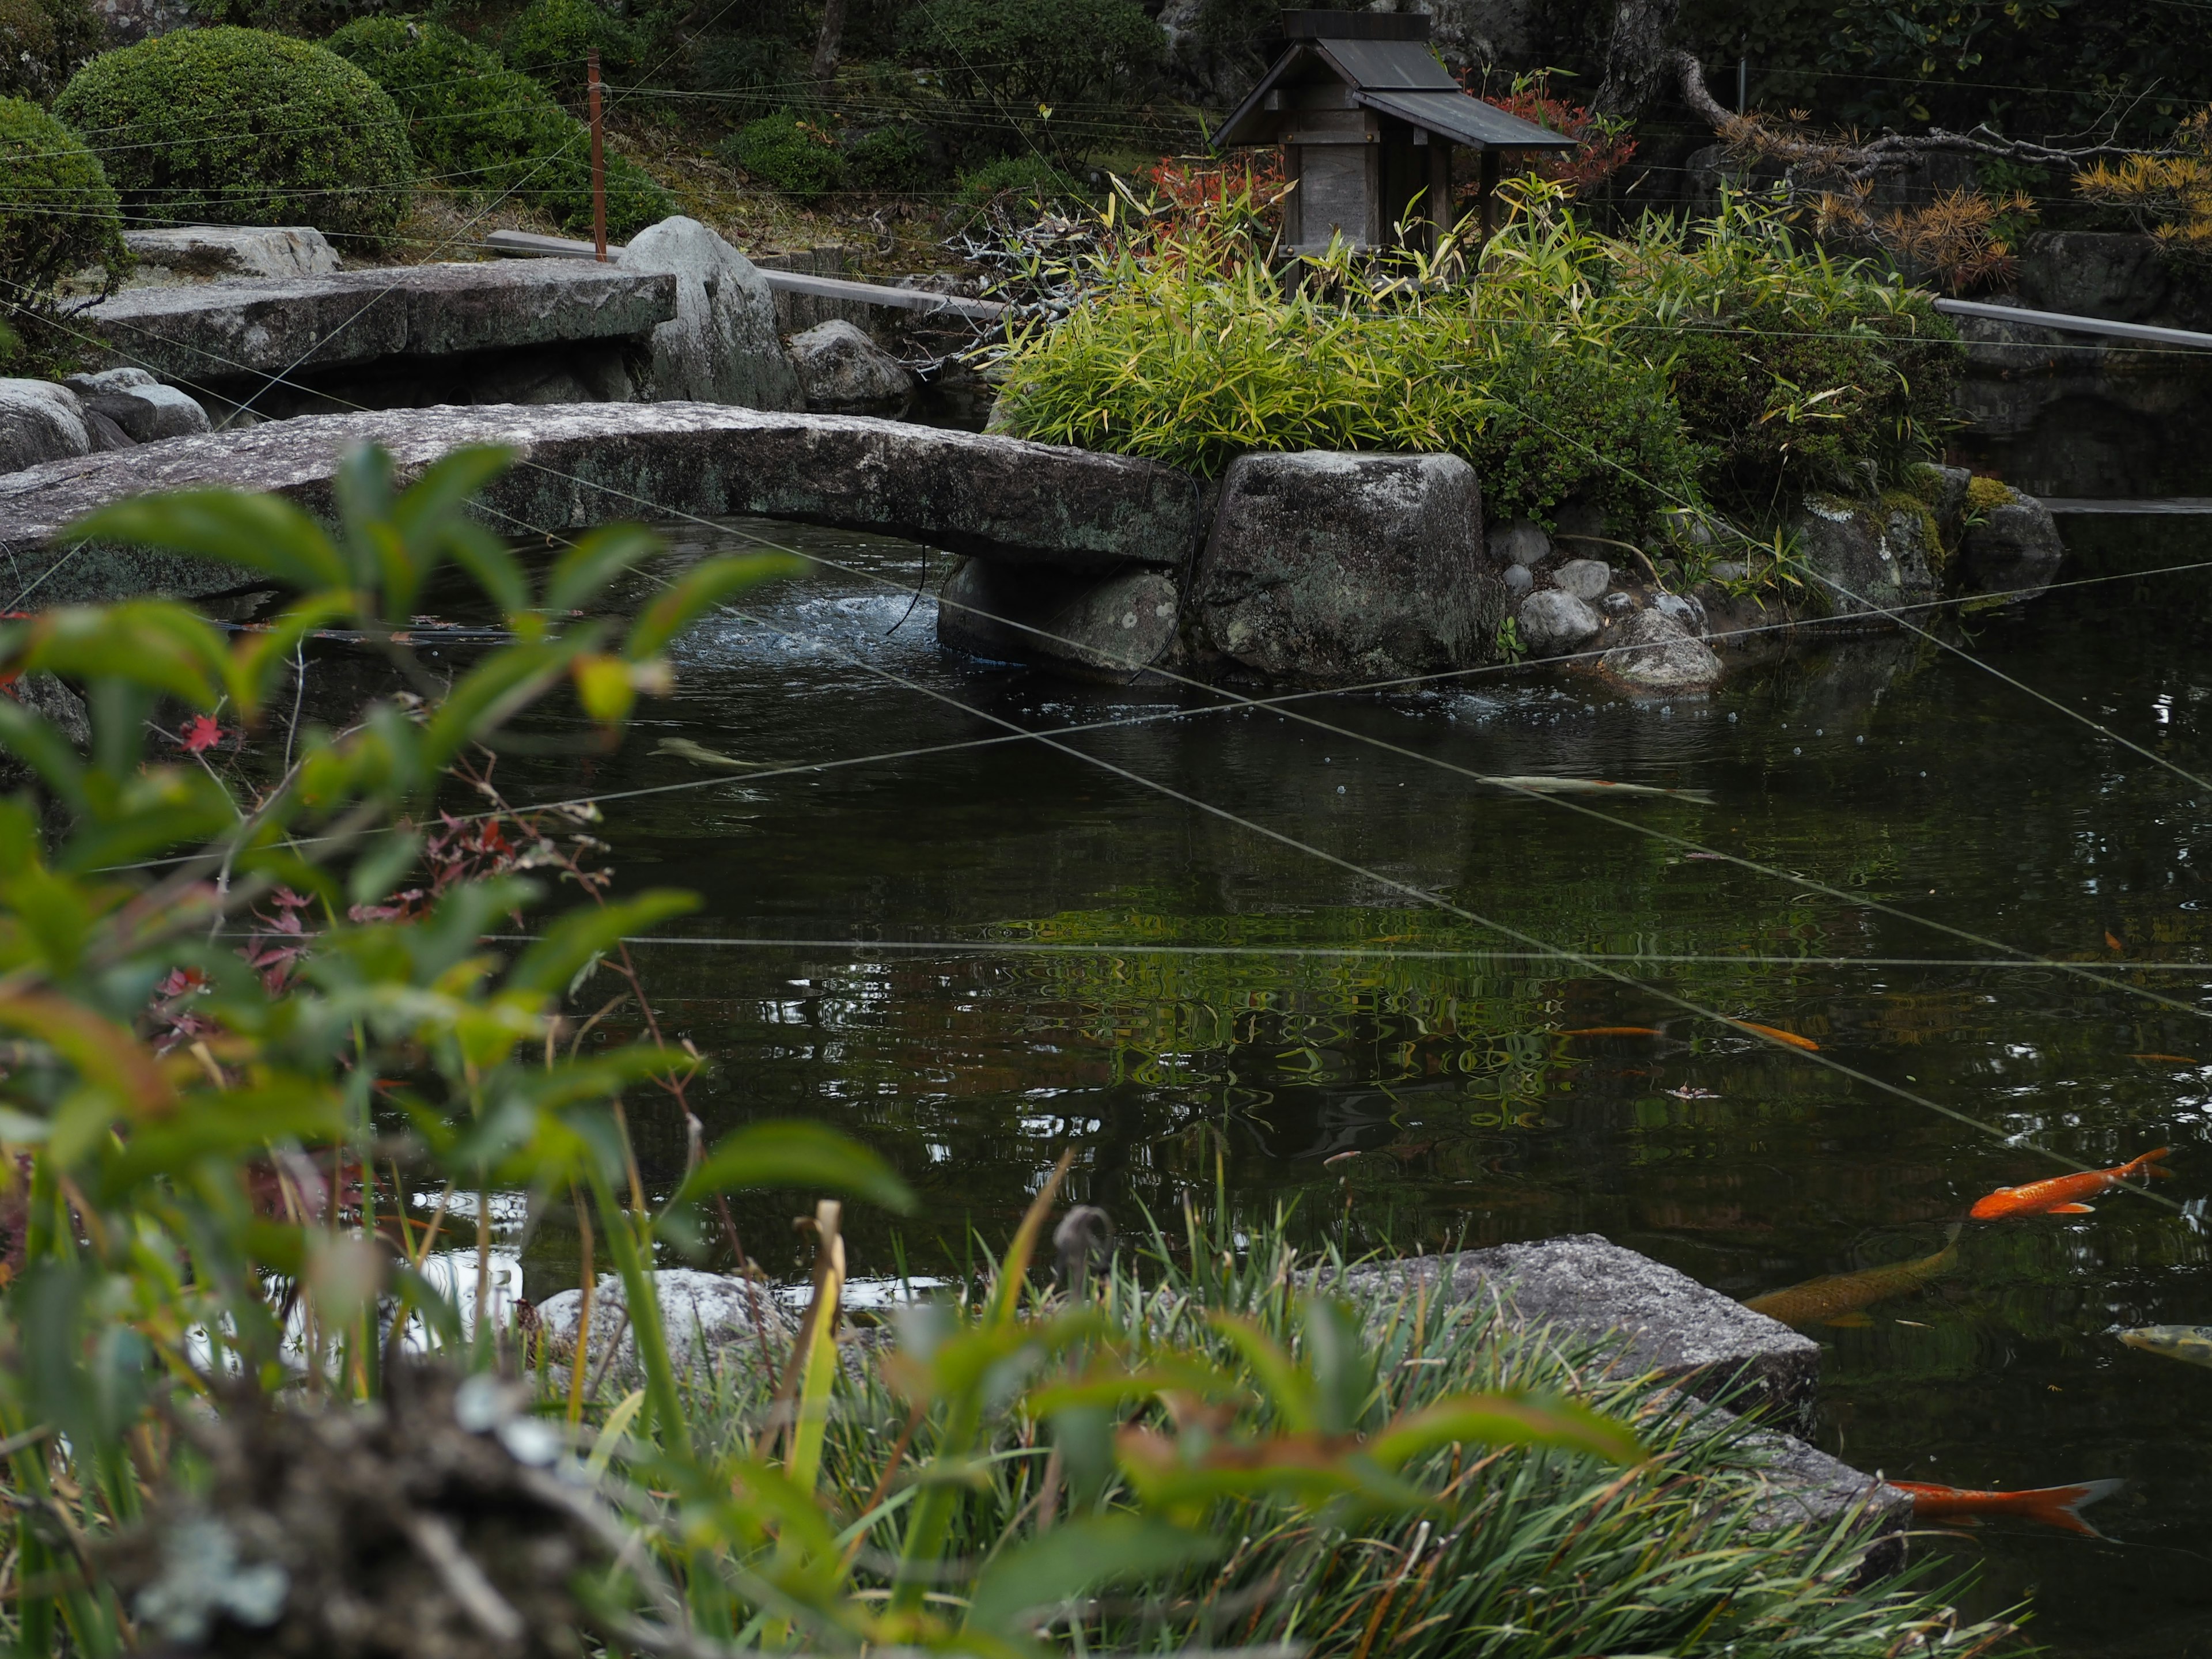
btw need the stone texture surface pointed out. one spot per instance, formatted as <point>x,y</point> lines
<point>1653,651</point>
<point>1522,541</point>
<point>2015,548</point>
<point>1798,1484</point>
<point>1867,557</point>
<point>40,422</point>
<point>720,345</point>
<point>2085,273</point>
<point>1111,629</point>
<point>1551,622</point>
<point>1323,567</point>
<point>843,372</point>
<point>1589,1290</point>
<point>705,1315</point>
<point>1001,498</point>
<point>1585,578</point>
<point>212,331</point>
<point>141,405</point>
<point>200,254</point>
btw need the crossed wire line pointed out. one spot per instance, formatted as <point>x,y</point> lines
<point>1600,965</point>
<point>1236,700</point>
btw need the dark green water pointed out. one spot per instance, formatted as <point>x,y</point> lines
<point>1225,1004</point>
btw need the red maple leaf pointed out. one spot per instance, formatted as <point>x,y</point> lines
<point>200,735</point>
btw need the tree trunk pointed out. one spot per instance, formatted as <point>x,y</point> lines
<point>1636,59</point>
<point>827,44</point>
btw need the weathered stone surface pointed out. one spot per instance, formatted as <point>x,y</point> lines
<point>1000,498</point>
<point>1947,492</point>
<point>1551,621</point>
<point>705,1315</point>
<point>2087,273</point>
<point>1654,653</point>
<point>1587,1289</point>
<point>2015,548</point>
<point>1685,609</point>
<point>1326,567</point>
<point>40,422</point>
<point>1112,628</point>
<point>140,404</point>
<point>1798,1484</point>
<point>200,254</point>
<point>1516,580</point>
<point>719,345</point>
<point>1868,557</point>
<point>268,325</point>
<point>843,372</point>
<point>1522,541</point>
<point>1586,579</point>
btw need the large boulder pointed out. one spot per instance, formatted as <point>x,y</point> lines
<point>1328,569</point>
<point>2011,544</point>
<point>40,422</point>
<point>721,347</point>
<point>1654,651</point>
<point>141,405</point>
<point>843,372</point>
<point>1551,620</point>
<point>1868,557</point>
<point>709,1318</point>
<point>1112,628</point>
<point>2087,273</point>
<point>204,254</point>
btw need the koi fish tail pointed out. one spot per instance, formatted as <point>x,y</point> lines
<point>2062,1506</point>
<point>2153,1164</point>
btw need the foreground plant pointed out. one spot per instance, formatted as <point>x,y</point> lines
<point>223,1243</point>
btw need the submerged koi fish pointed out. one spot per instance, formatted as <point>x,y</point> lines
<point>2063,1194</point>
<point>1778,1034</point>
<point>2054,1506</point>
<point>2178,1059</point>
<point>1540,785</point>
<point>1840,1299</point>
<point>2190,1344</point>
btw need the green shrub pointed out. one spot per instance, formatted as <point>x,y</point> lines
<point>552,39</point>
<point>240,127</point>
<point>43,43</point>
<point>1043,75</point>
<point>57,216</point>
<point>309,19</point>
<point>786,154</point>
<point>1029,179</point>
<point>754,71</point>
<point>491,132</point>
<point>889,159</point>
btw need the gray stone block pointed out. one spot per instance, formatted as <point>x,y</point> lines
<point>843,372</point>
<point>1588,1289</point>
<point>709,1318</point>
<point>1551,622</point>
<point>720,346</point>
<point>1653,651</point>
<point>1586,579</point>
<point>40,422</point>
<point>200,254</point>
<point>2015,548</point>
<point>998,498</point>
<point>1866,557</point>
<point>249,326</point>
<point>1522,541</point>
<point>140,404</point>
<point>1110,628</point>
<point>1323,567</point>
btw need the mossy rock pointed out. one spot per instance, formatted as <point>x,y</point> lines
<point>1986,495</point>
<point>233,126</point>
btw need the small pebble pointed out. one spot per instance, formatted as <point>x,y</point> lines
<point>1340,788</point>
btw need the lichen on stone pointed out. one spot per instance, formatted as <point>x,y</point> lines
<point>1986,496</point>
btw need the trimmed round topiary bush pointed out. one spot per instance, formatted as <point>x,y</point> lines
<point>552,39</point>
<point>43,42</point>
<point>237,126</point>
<point>889,159</point>
<point>58,215</point>
<point>788,154</point>
<point>492,132</point>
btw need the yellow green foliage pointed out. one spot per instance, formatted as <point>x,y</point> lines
<point>2168,196</point>
<point>1986,496</point>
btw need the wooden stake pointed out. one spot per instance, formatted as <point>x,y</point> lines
<point>598,169</point>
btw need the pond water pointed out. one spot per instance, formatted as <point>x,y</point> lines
<point>991,952</point>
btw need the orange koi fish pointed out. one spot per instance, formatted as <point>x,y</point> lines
<point>1778,1034</point>
<point>2063,1194</point>
<point>2178,1059</point>
<point>2054,1506</point>
<point>1616,1031</point>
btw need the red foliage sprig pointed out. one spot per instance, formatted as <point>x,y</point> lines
<point>1602,144</point>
